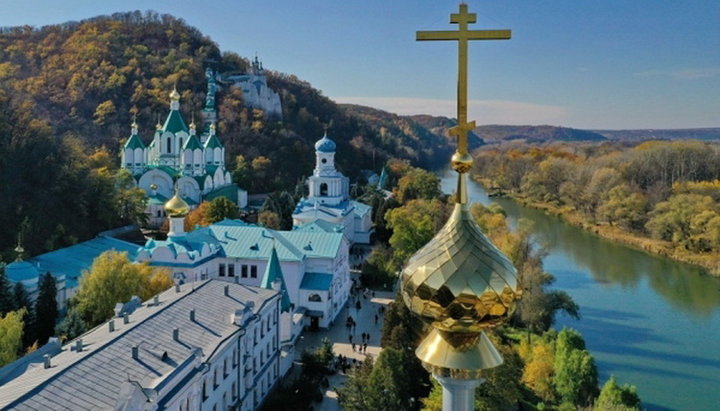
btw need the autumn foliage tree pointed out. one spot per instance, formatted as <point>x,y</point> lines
<point>113,278</point>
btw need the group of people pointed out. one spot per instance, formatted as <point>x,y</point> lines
<point>362,347</point>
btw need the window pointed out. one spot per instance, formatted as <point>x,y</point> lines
<point>215,383</point>
<point>244,271</point>
<point>262,329</point>
<point>231,270</point>
<point>324,160</point>
<point>234,391</point>
<point>315,298</point>
<point>323,189</point>
<point>181,145</point>
<point>204,391</point>
<point>169,145</point>
<point>234,360</point>
<point>225,373</point>
<point>159,213</point>
<point>221,270</point>
<point>253,271</point>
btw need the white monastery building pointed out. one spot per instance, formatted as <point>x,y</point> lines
<point>210,346</point>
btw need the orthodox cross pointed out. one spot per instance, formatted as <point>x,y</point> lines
<point>462,35</point>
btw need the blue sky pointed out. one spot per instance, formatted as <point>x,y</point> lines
<point>587,64</point>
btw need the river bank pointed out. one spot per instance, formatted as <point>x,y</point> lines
<point>709,261</point>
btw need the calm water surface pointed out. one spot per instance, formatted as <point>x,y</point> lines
<point>647,320</point>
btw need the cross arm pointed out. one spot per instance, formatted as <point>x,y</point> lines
<point>469,35</point>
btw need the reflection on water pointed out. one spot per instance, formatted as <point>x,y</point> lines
<point>648,320</point>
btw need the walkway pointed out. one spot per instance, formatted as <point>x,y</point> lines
<point>340,338</point>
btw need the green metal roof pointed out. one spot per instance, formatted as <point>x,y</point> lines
<point>200,180</point>
<point>213,142</point>
<point>192,143</point>
<point>72,261</point>
<point>167,169</point>
<point>157,199</point>
<point>241,240</point>
<point>320,225</point>
<point>134,142</point>
<point>228,191</point>
<point>174,122</point>
<point>273,273</point>
<point>316,281</point>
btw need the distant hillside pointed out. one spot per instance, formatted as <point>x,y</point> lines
<point>411,138</point>
<point>671,134</point>
<point>440,126</point>
<point>535,133</point>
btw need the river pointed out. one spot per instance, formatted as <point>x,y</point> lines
<point>647,320</point>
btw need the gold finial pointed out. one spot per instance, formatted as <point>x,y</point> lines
<point>192,122</point>
<point>134,122</point>
<point>212,128</point>
<point>460,282</point>
<point>158,126</point>
<point>174,95</point>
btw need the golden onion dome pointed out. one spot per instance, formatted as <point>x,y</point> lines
<point>177,207</point>
<point>459,281</point>
<point>174,95</point>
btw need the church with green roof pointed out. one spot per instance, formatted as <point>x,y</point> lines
<point>178,156</point>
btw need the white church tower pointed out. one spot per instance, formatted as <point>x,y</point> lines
<point>327,185</point>
<point>328,200</point>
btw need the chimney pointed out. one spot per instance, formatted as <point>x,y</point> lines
<point>176,334</point>
<point>126,318</point>
<point>46,361</point>
<point>192,315</point>
<point>177,288</point>
<point>111,326</point>
<point>156,300</point>
<point>78,345</point>
<point>227,291</point>
<point>135,352</point>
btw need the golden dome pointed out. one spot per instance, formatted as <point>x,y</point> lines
<point>177,207</point>
<point>174,95</point>
<point>459,281</point>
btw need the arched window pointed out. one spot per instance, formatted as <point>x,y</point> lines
<point>169,145</point>
<point>181,145</point>
<point>323,189</point>
<point>315,298</point>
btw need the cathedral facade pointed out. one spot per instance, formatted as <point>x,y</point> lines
<point>256,93</point>
<point>328,204</point>
<point>179,156</point>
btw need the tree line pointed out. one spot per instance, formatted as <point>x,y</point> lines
<point>665,190</point>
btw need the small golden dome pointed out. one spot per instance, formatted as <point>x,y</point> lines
<point>459,281</point>
<point>177,207</point>
<point>174,95</point>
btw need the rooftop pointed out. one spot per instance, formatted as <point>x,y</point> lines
<point>93,377</point>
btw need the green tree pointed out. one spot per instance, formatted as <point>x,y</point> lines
<point>111,279</point>
<point>242,173</point>
<point>616,398</point>
<point>282,204</point>
<point>671,220</point>
<point>351,395</point>
<point>624,207</point>
<point>46,311</point>
<point>131,200</point>
<point>21,300</point>
<point>11,331</point>
<point>71,326</point>
<point>6,300</point>
<point>219,209</point>
<point>413,225</point>
<point>576,379</point>
<point>418,184</point>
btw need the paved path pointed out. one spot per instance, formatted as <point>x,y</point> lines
<point>339,336</point>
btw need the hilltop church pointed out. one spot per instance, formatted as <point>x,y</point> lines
<point>178,156</point>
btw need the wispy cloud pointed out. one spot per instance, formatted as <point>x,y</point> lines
<point>683,74</point>
<point>482,111</point>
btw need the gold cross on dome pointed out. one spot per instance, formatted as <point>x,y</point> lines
<point>462,35</point>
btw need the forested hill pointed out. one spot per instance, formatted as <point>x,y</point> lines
<point>67,90</point>
<point>86,78</point>
<point>412,139</point>
<point>535,133</point>
<point>655,134</point>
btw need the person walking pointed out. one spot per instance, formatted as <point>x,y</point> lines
<point>365,348</point>
<point>376,319</point>
<point>353,346</point>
